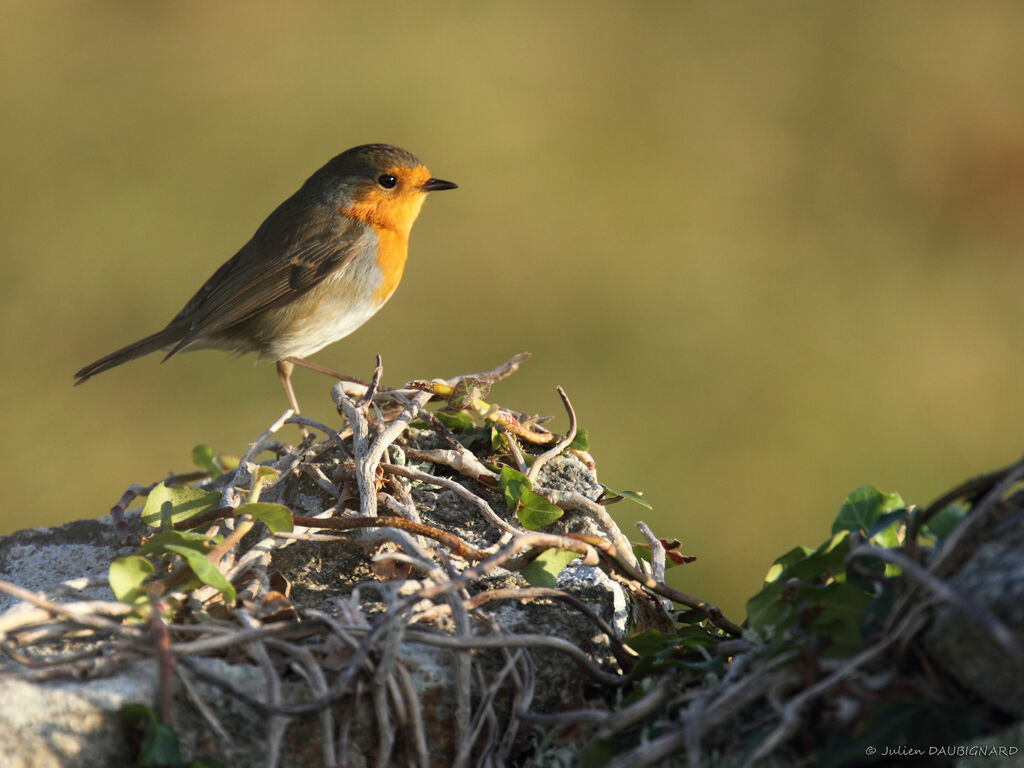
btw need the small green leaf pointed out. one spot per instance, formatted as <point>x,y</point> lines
<point>202,457</point>
<point>205,570</point>
<point>634,496</point>
<point>544,569</point>
<point>263,473</point>
<point>650,642</point>
<point>126,575</point>
<point>839,610</point>
<point>157,545</point>
<point>795,555</point>
<point>133,713</point>
<point>261,476</point>
<point>826,562</point>
<point>599,752</point>
<point>811,564</point>
<point>689,616</point>
<point>160,746</point>
<point>512,484</point>
<point>944,521</point>
<point>276,517</point>
<point>535,511</point>
<point>227,462</point>
<point>767,613</point>
<point>532,509</point>
<point>581,442</point>
<point>694,637</point>
<point>886,529</point>
<point>863,507</point>
<point>456,421</point>
<point>772,610</point>
<point>172,505</point>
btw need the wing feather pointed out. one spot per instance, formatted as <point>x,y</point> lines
<point>262,276</point>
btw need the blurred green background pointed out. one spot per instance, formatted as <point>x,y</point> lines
<point>772,255</point>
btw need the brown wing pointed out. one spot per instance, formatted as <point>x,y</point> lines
<point>274,268</point>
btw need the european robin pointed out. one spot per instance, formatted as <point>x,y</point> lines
<point>318,267</point>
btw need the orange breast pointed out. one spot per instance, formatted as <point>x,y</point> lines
<point>392,249</point>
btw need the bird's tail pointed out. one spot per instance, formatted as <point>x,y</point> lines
<point>159,340</point>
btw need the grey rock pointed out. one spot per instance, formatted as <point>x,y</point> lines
<point>993,578</point>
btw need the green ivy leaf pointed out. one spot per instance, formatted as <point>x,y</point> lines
<point>767,613</point>
<point>263,473</point>
<point>126,575</point>
<point>160,746</point>
<point>261,476</point>
<point>598,752</point>
<point>133,713</point>
<point>543,570</point>
<point>839,609</point>
<point>634,496</point>
<point>456,421</point>
<point>659,652</point>
<point>276,517</point>
<point>512,484</point>
<point>795,555</point>
<point>202,457</point>
<point>944,521</point>
<point>886,529</point>
<point>863,507</point>
<point>166,506</point>
<point>536,512</point>
<point>821,564</point>
<point>157,545</point>
<point>205,570</point>
<point>227,461</point>
<point>532,509</point>
<point>772,610</point>
<point>651,642</point>
<point>688,616</point>
<point>692,637</point>
<point>826,562</point>
<point>581,442</point>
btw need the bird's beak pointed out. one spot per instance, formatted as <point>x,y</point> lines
<point>436,185</point>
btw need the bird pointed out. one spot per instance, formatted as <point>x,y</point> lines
<point>318,267</point>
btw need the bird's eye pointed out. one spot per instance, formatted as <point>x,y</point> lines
<point>386,180</point>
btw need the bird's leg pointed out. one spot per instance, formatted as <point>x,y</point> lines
<point>284,373</point>
<point>293,361</point>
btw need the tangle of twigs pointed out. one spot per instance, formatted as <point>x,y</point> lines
<point>351,658</point>
<point>419,575</point>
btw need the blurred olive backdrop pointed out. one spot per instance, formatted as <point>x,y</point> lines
<point>772,252</point>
